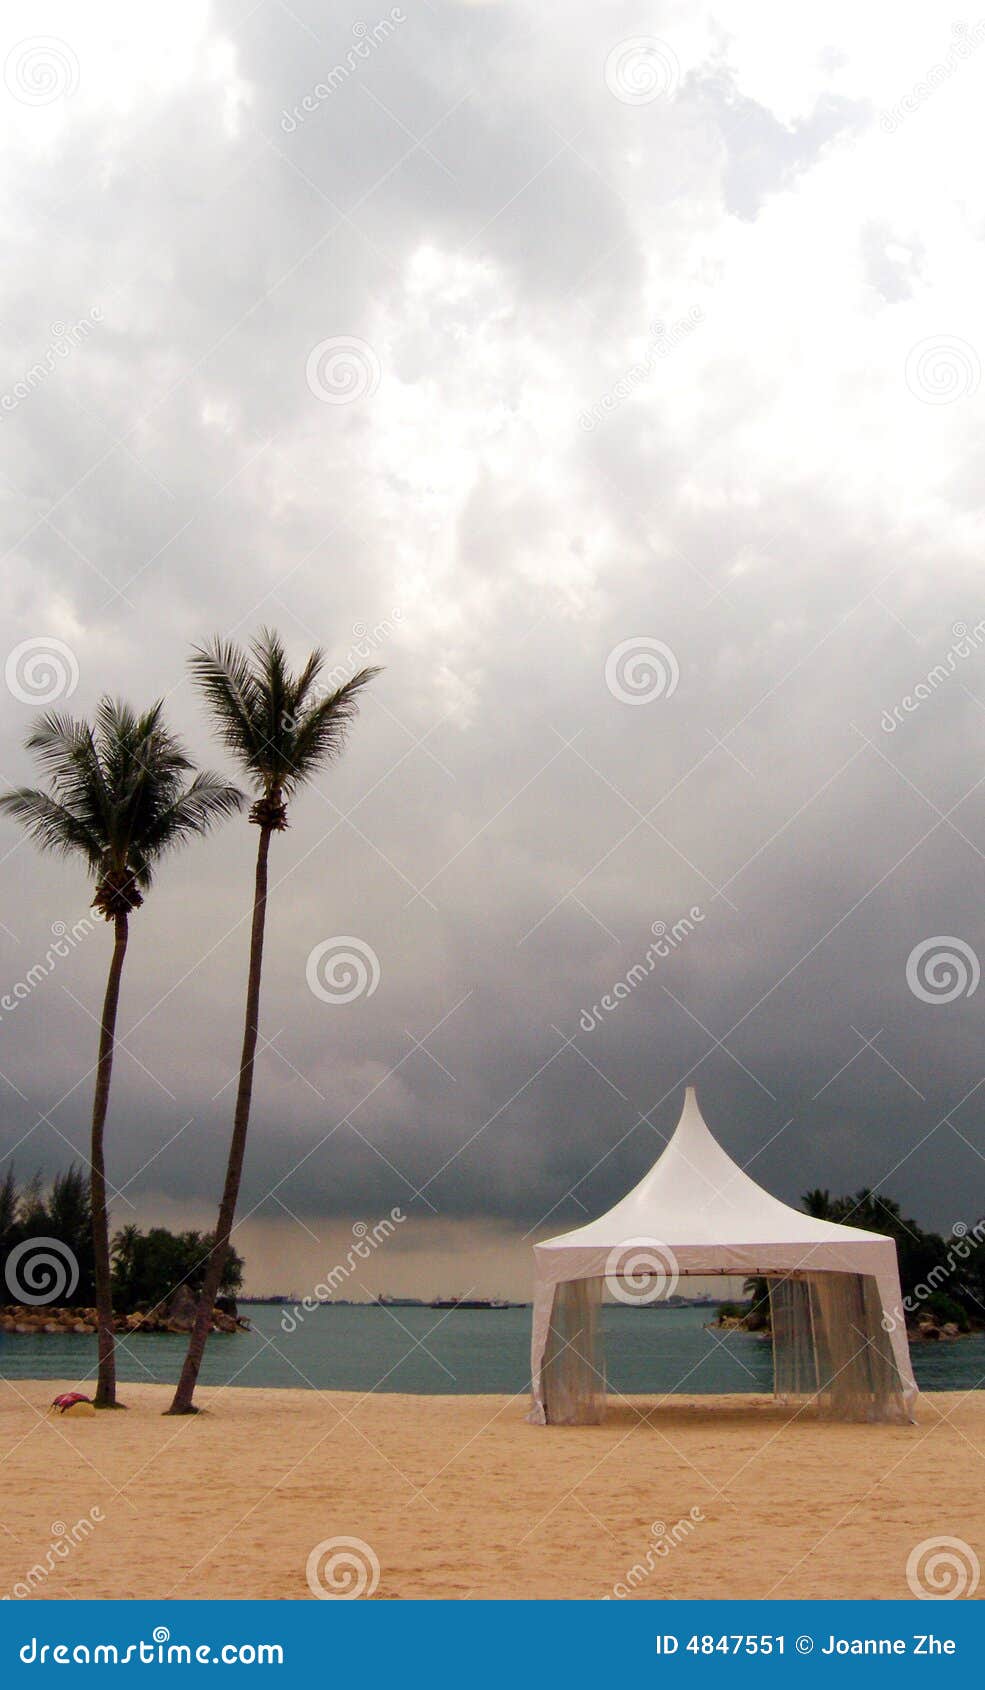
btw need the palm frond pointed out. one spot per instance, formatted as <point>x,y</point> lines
<point>51,825</point>
<point>266,717</point>
<point>321,733</point>
<point>307,678</point>
<point>67,751</point>
<point>118,795</point>
<point>205,802</point>
<point>223,673</point>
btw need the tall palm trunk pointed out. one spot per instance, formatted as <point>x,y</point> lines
<point>182,1403</point>
<point>106,1384</point>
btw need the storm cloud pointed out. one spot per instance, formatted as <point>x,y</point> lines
<point>613,379</point>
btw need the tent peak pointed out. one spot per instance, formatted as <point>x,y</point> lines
<point>694,1195</point>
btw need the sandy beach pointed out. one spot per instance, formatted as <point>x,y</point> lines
<point>459,1497</point>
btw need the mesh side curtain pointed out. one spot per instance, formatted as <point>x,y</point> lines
<point>829,1344</point>
<point>574,1369</point>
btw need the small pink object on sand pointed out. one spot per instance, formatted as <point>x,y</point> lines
<point>73,1401</point>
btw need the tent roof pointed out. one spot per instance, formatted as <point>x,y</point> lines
<point>695,1194</point>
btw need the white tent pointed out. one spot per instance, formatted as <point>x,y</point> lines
<point>839,1336</point>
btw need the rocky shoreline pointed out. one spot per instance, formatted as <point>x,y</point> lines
<point>176,1315</point>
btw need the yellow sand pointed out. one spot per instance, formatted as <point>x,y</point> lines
<point>458,1497</point>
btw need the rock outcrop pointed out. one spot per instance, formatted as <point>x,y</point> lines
<point>933,1332</point>
<point>176,1314</point>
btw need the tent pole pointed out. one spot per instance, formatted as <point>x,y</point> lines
<point>809,1281</point>
<point>776,1372</point>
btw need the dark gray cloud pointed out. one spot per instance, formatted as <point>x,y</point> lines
<point>767,484</point>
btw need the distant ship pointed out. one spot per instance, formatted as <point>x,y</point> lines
<point>401,1302</point>
<point>468,1303</point>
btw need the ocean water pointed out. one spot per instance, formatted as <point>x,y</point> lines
<point>432,1351</point>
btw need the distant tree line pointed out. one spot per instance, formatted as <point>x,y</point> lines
<point>942,1277</point>
<point>147,1267</point>
<point>61,1211</point>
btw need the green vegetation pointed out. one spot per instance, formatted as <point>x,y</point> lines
<point>943,1278</point>
<point>62,1212</point>
<point>149,1267</point>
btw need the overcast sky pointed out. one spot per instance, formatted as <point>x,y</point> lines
<point>610,374</point>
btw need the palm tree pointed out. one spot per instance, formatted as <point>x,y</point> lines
<point>280,727</point>
<point>818,1203</point>
<point>116,796</point>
